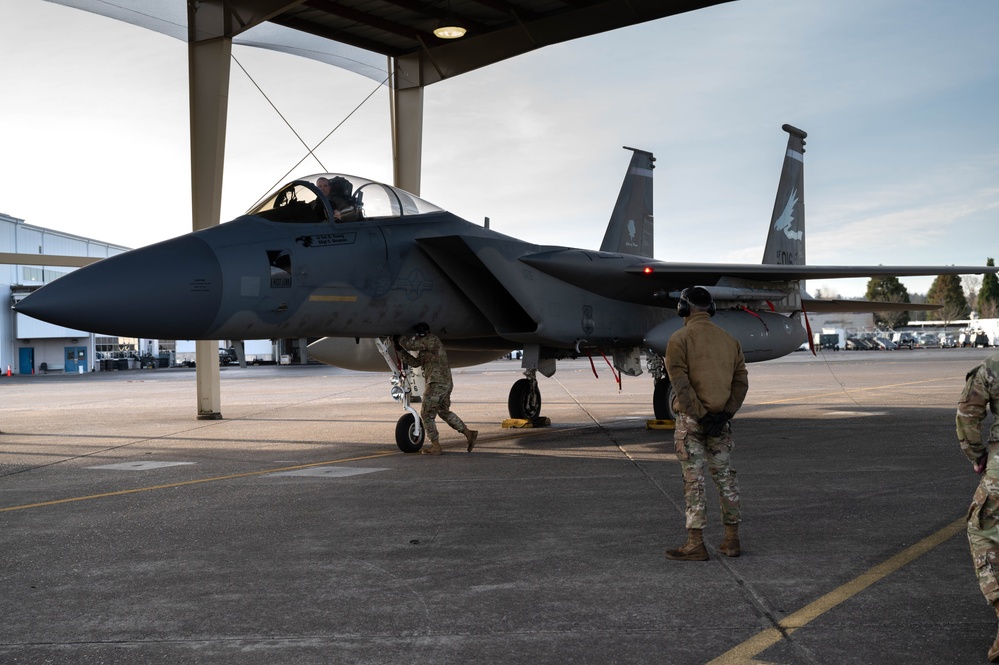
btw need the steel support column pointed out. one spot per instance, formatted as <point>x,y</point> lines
<point>407,130</point>
<point>208,63</point>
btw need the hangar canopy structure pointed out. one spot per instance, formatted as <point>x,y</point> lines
<point>390,41</point>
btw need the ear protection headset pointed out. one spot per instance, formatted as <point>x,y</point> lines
<point>697,296</point>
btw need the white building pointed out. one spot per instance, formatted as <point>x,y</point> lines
<point>28,345</point>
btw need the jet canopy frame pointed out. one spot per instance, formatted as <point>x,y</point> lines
<point>353,197</point>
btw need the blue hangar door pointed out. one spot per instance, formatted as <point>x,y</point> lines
<point>26,360</point>
<point>76,358</point>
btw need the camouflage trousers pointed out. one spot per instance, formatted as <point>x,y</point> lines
<point>437,402</point>
<point>694,449</point>
<point>983,536</point>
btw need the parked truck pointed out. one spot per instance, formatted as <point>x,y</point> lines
<point>906,339</point>
<point>257,351</point>
<point>830,339</point>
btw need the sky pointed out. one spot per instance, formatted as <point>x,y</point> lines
<point>900,99</point>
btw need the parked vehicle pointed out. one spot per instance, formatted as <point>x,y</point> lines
<point>857,344</point>
<point>927,340</point>
<point>827,341</point>
<point>228,356</point>
<point>885,344</point>
<point>905,339</point>
<point>975,338</point>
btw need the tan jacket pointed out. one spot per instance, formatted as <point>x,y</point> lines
<point>706,367</point>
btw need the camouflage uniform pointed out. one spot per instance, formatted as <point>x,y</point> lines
<point>693,449</point>
<point>981,395</point>
<point>708,372</point>
<point>430,355</point>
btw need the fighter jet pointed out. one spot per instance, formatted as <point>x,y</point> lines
<point>369,261</point>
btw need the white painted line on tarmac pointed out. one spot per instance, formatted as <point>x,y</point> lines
<point>851,414</point>
<point>327,471</point>
<point>139,466</point>
<point>186,483</point>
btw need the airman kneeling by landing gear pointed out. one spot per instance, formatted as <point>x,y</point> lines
<point>431,356</point>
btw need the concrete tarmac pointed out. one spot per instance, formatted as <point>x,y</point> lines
<point>294,531</point>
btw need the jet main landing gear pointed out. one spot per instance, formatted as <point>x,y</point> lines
<point>525,397</point>
<point>662,393</point>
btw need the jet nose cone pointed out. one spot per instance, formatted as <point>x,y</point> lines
<point>170,290</point>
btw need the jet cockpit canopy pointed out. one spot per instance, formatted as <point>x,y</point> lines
<point>339,198</point>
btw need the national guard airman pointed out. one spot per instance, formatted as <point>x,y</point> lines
<point>431,356</point>
<point>981,395</point>
<point>708,371</point>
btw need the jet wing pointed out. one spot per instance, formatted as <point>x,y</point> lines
<point>823,306</point>
<point>663,270</point>
<point>638,280</point>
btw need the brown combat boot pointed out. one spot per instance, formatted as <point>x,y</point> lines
<point>471,435</point>
<point>435,448</point>
<point>994,651</point>
<point>692,550</point>
<point>730,546</point>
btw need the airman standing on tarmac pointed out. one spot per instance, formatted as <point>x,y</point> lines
<point>981,395</point>
<point>708,372</point>
<point>430,355</point>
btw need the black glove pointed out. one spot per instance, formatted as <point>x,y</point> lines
<point>713,424</point>
<point>981,463</point>
<point>709,424</point>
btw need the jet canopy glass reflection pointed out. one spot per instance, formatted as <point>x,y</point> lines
<point>338,198</point>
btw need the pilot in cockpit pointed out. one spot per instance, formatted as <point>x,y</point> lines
<point>343,201</point>
<point>324,186</point>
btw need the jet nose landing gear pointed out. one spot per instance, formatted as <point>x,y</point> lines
<point>409,432</point>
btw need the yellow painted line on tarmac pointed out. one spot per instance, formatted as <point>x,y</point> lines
<point>249,474</point>
<point>745,652</point>
<point>152,488</point>
<point>849,391</point>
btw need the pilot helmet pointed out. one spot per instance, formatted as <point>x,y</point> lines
<point>340,186</point>
<point>421,329</point>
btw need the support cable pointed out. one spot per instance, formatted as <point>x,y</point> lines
<point>310,151</point>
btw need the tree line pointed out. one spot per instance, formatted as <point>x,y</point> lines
<point>957,295</point>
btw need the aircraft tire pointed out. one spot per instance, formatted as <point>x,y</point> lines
<point>662,400</point>
<point>404,437</point>
<point>524,403</point>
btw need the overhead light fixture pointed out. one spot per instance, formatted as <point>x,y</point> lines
<point>449,27</point>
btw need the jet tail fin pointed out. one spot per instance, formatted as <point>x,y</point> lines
<point>786,240</point>
<point>630,228</point>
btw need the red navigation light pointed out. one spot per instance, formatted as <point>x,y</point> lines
<point>647,270</point>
